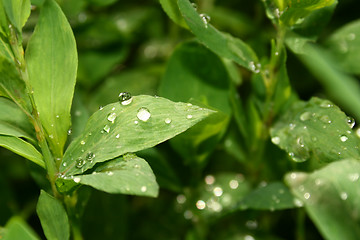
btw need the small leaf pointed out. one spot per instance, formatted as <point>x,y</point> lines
<point>308,129</point>
<point>331,196</point>
<point>17,11</point>
<point>52,64</point>
<point>222,44</point>
<point>345,44</point>
<point>274,196</point>
<point>118,129</point>
<point>53,217</point>
<point>22,148</point>
<point>126,175</point>
<point>16,228</point>
<point>297,10</point>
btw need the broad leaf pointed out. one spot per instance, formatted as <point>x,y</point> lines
<point>172,10</point>
<point>127,175</point>
<point>345,44</point>
<point>117,129</point>
<point>52,64</point>
<point>297,10</point>
<point>53,217</point>
<point>331,198</point>
<point>22,148</point>
<point>222,44</point>
<point>17,12</point>
<point>308,129</point>
<point>274,196</point>
<point>16,228</point>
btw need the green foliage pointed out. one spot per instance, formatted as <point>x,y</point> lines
<point>256,98</point>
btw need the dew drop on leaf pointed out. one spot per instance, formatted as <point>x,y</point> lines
<point>90,156</point>
<point>80,163</point>
<point>117,136</point>
<point>167,120</point>
<point>275,140</point>
<point>205,18</point>
<point>194,6</point>
<point>325,119</point>
<point>77,179</point>
<point>189,116</point>
<point>111,117</point>
<point>82,142</point>
<point>350,121</point>
<point>343,138</point>
<point>143,189</point>
<point>305,116</point>
<point>143,114</point>
<point>344,196</point>
<point>106,128</point>
<point>125,98</point>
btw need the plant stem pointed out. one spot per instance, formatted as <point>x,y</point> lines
<point>300,226</point>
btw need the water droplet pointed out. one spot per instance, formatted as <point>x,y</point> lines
<point>101,108</point>
<point>194,6</point>
<point>326,104</point>
<point>354,177</point>
<point>111,117</point>
<point>125,98</point>
<point>234,184</point>
<point>307,196</point>
<point>350,121</point>
<point>325,119</point>
<point>200,204</point>
<point>77,179</point>
<point>136,122</point>
<point>275,140</point>
<point>69,132</point>
<point>209,179</point>
<point>64,164</point>
<point>189,116</point>
<point>205,18</point>
<point>117,136</point>
<point>143,189</point>
<point>167,120</point>
<point>113,109</point>
<point>143,114</point>
<point>218,191</point>
<point>181,199</point>
<point>106,128</point>
<point>343,196</point>
<point>255,68</point>
<point>90,156</point>
<point>305,116</point>
<point>80,163</point>
<point>51,136</point>
<point>109,173</point>
<point>82,142</point>
<point>57,116</point>
<point>343,138</point>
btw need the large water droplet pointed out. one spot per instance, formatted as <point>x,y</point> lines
<point>305,116</point>
<point>326,104</point>
<point>167,120</point>
<point>111,117</point>
<point>125,98</point>
<point>143,114</point>
<point>90,156</point>
<point>117,136</point>
<point>143,189</point>
<point>344,196</point>
<point>82,142</point>
<point>76,179</point>
<point>106,128</point>
<point>80,163</point>
<point>205,18</point>
<point>343,138</point>
<point>325,119</point>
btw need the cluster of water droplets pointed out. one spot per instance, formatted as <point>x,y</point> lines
<point>204,17</point>
<point>254,67</point>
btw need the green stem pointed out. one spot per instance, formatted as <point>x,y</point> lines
<point>300,224</point>
<point>74,218</point>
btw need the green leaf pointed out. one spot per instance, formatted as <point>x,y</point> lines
<point>297,10</point>
<point>222,44</point>
<point>17,229</point>
<point>52,64</point>
<point>53,217</point>
<point>118,129</point>
<point>308,129</point>
<point>342,87</point>
<point>17,11</point>
<point>11,85</point>
<point>208,86</point>
<point>127,175</point>
<point>331,198</point>
<point>14,122</point>
<point>345,45</point>
<point>172,10</point>
<point>274,196</point>
<point>22,148</point>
